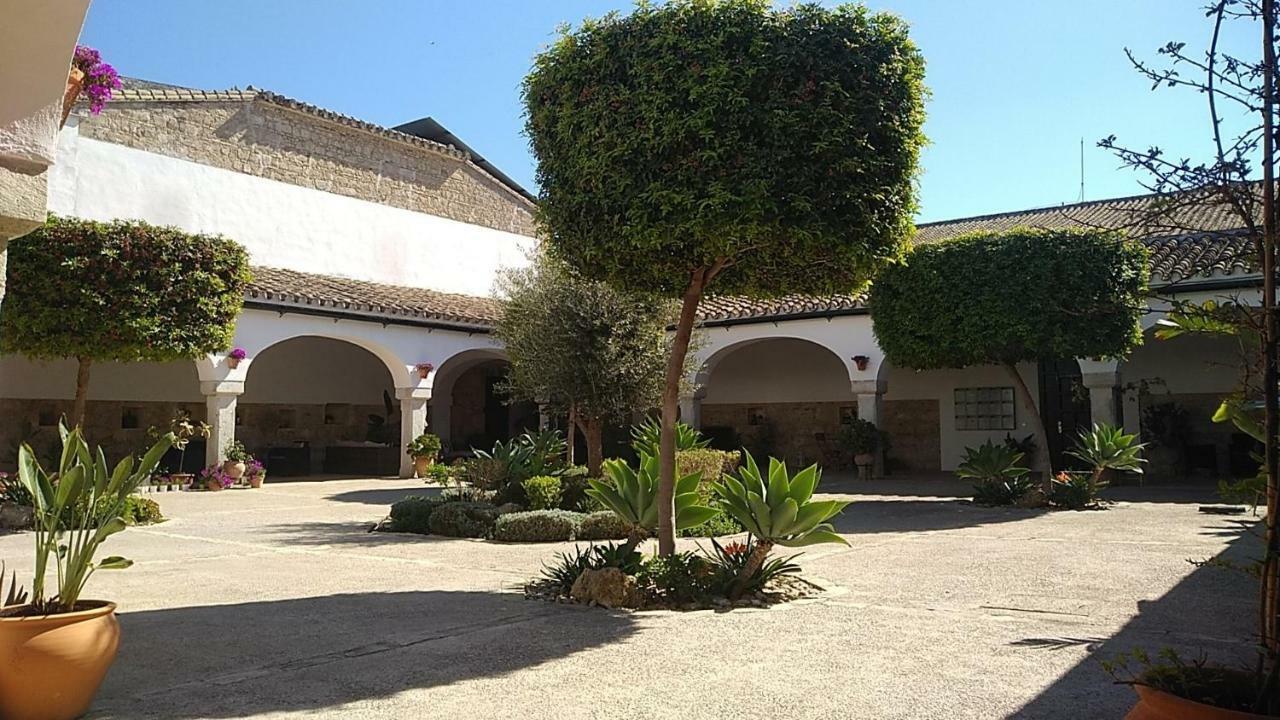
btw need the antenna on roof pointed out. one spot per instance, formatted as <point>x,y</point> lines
<point>1082,169</point>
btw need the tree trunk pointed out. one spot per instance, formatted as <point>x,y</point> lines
<point>1270,590</point>
<point>595,446</point>
<point>671,412</point>
<point>1044,460</point>
<point>758,555</point>
<point>570,433</point>
<point>82,391</point>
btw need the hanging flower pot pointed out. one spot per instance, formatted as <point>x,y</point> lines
<point>235,356</point>
<point>861,361</point>
<point>424,370</point>
<point>75,82</point>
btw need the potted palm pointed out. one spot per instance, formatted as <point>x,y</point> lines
<point>423,450</point>
<point>56,648</point>
<point>182,430</point>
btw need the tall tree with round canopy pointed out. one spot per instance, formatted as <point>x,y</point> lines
<point>1018,296</point>
<point>722,145</point>
<point>120,291</point>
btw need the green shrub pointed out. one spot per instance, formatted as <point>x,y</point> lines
<point>543,492</point>
<point>484,473</point>
<point>463,519</point>
<point>140,510</point>
<point>679,578</point>
<point>1002,492</point>
<point>1075,490</point>
<point>603,525</point>
<point>573,488</point>
<point>711,464</point>
<point>728,563</point>
<point>413,514</point>
<point>722,523</point>
<point>537,526</point>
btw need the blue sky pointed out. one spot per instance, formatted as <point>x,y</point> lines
<point>1015,84</point>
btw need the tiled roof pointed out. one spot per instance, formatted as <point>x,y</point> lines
<point>290,289</point>
<point>134,90</point>
<point>715,309</point>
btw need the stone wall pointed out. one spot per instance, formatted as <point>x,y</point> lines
<point>915,436</point>
<point>260,138</point>
<point>786,430</point>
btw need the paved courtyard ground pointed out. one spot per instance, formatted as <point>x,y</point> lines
<point>277,603</point>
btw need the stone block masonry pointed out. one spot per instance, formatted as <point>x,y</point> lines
<point>264,139</point>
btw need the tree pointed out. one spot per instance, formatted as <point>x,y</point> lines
<point>123,291</point>
<point>582,347</point>
<point>721,145</point>
<point>1240,92</point>
<point>1017,296</point>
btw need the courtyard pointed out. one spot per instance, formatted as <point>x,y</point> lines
<point>279,603</point>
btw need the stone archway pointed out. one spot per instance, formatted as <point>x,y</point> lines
<point>468,407</point>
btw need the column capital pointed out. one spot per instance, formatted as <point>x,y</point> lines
<point>222,387</point>
<point>868,387</point>
<point>413,393</point>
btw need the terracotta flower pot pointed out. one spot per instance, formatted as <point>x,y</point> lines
<point>422,464</point>
<point>233,362</point>
<point>212,485</point>
<point>75,83</point>
<point>181,480</point>
<point>51,665</point>
<point>1159,705</point>
<point>234,469</point>
<point>255,481</point>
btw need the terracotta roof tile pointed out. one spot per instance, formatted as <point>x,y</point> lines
<point>293,289</point>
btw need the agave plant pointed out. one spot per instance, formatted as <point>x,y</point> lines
<point>779,510</point>
<point>1108,448</point>
<point>76,509</point>
<point>646,436</point>
<point>991,463</point>
<point>15,595</point>
<point>633,495</point>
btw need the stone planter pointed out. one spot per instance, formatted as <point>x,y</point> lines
<point>16,517</point>
<point>234,469</point>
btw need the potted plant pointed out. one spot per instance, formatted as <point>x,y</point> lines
<point>862,439</point>
<point>424,369</point>
<point>213,479</point>
<point>256,473</point>
<point>237,459</point>
<point>56,648</point>
<point>89,76</point>
<point>182,430</point>
<point>423,450</point>
<point>235,356</point>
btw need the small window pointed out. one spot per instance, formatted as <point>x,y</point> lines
<point>129,418</point>
<point>848,413</point>
<point>756,416</point>
<point>986,408</point>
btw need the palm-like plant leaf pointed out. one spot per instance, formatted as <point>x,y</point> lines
<point>633,494</point>
<point>1107,447</point>
<point>991,462</point>
<point>779,509</point>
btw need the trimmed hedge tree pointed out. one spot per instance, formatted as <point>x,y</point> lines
<point>720,141</point>
<point>120,291</point>
<point>1018,296</point>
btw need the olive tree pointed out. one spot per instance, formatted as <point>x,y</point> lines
<point>724,146</point>
<point>581,346</point>
<point>120,291</point>
<point>1017,296</point>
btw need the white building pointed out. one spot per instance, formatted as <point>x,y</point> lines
<point>374,251</point>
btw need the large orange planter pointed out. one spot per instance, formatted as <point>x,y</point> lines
<point>51,665</point>
<point>1158,705</point>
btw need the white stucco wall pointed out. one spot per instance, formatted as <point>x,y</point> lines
<point>25,379</point>
<point>779,371</point>
<point>281,225</point>
<point>310,370</point>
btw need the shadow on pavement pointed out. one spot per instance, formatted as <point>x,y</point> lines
<point>224,661</point>
<point>885,516</point>
<point>383,498</point>
<point>1211,611</point>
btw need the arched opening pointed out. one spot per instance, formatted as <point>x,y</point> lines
<point>1170,390</point>
<point>469,407</point>
<point>316,405</point>
<point>781,397</point>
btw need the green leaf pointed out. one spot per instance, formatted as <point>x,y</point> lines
<point>816,537</point>
<point>115,562</point>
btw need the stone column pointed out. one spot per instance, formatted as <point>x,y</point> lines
<point>220,412</point>
<point>1101,377</point>
<point>413,422</point>
<point>691,409</point>
<point>870,395</point>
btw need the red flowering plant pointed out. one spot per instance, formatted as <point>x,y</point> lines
<point>100,79</point>
<point>728,560</point>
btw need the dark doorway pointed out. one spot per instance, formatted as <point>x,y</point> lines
<point>497,414</point>
<point>1064,406</point>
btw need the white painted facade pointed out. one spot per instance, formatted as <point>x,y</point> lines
<point>281,225</point>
